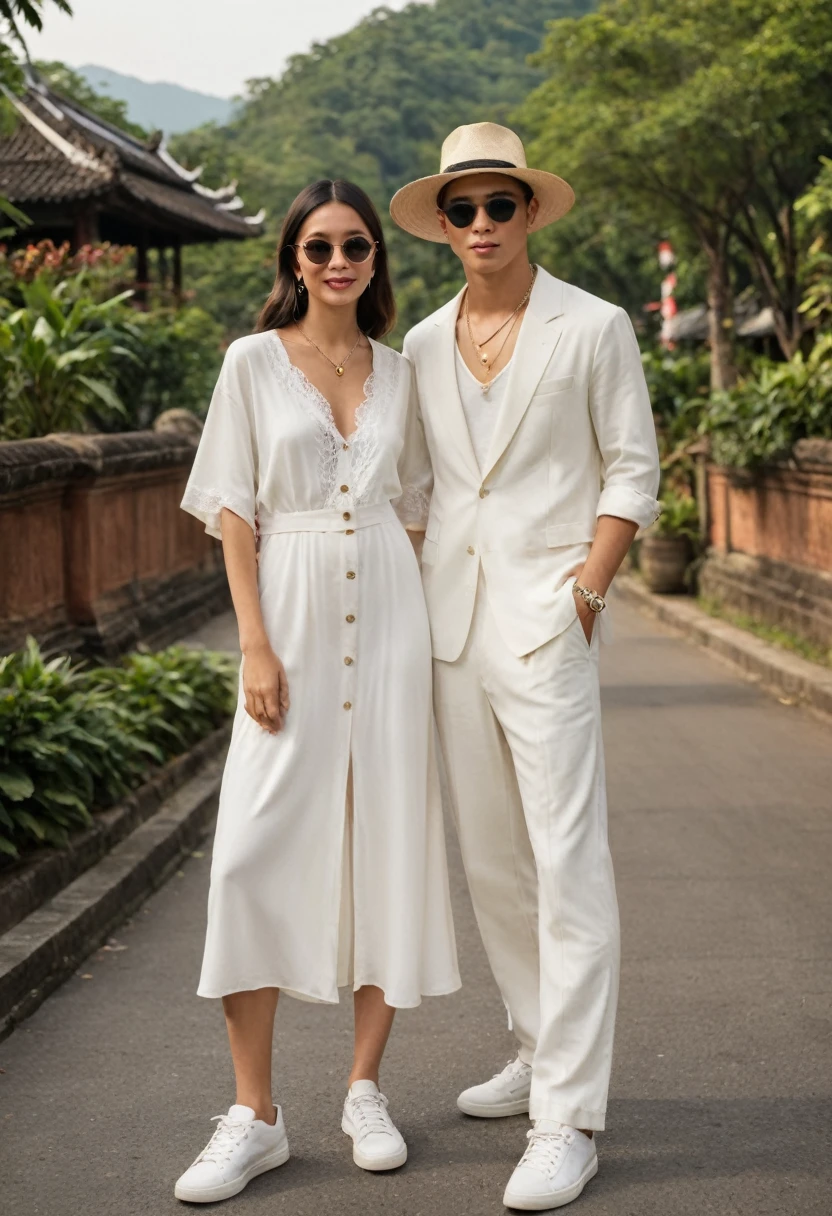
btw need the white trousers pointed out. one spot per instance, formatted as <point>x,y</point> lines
<point>521,742</point>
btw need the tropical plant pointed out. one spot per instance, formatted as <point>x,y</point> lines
<point>105,268</point>
<point>767,413</point>
<point>64,748</point>
<point>674,380</point>
<point>74,739</point>
<point>815,210</point>
<point>679,517</point>
<point>57,360</point>
<point>178,355</point>
<point>172,698</point>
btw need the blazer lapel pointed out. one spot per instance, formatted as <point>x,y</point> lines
<point>447,414</point>
<point>539,335</point>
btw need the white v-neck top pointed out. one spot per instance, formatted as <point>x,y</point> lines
<point>480,408</point>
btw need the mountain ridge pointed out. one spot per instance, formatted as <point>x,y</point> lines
<point>159,105</point>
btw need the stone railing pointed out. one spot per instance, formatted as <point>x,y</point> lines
<point>95,554</point>
<point>770,537</point>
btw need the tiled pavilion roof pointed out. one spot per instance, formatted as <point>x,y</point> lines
<point>62,155</point>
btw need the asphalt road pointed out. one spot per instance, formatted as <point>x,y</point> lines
<point>721,812</point>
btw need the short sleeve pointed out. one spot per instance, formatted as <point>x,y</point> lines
<point>224,472</point>
<point>415,470</point>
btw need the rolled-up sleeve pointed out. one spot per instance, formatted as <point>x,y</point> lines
<point>224,472</point>
<point>415,469</point>
<point>623,420</point>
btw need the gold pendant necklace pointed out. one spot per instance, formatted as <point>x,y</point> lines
<point>486,384</point>
<point>482,354</point>
<point>339,367</point>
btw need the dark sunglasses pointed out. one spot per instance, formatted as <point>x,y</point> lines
<point>461,214</point>
<point>354,249</point>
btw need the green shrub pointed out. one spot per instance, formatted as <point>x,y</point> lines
<point>74,359</point>
<point>174,697</point>
<point>74,739</point>
<point>107,269</point>
<point>766,414</point>
<point>679,517</point>
<point>58,360</point>
<point>178,355</point>
<point>675,381</point>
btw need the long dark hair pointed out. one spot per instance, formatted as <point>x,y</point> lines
<point>376,307</point>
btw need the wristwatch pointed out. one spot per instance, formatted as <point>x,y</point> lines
<point>593,599</point>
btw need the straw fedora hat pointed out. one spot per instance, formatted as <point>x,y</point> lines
<point>482,147</point>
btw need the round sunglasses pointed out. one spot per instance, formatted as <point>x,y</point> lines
<point>461,214</point>
<point>319,252</point>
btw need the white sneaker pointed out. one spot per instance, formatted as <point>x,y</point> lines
<point>507,1093</point>
<point>554,1169</point>
<point>239,1149</point>
<point>377,1142</point>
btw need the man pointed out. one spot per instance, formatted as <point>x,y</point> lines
<point>531,439</point>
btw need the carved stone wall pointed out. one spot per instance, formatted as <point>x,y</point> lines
<point>770,535</point>
<point>95,554</point>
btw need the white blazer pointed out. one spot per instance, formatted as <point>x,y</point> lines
<point>574,440</point>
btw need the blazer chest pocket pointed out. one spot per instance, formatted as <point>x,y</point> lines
<point>550,388</point>
<point>558,535</point>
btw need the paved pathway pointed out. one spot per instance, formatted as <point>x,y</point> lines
<point>722,1093</point>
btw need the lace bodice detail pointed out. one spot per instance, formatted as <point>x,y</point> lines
<point>379,390</point>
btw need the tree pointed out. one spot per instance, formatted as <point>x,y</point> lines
<point>374,105</point>
<point>701,113</point>
<point>14,15</point>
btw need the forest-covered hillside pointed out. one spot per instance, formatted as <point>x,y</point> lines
<point>373,105</point>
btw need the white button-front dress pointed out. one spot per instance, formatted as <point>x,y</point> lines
<point>329,858</point>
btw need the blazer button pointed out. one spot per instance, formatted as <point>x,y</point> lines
<point>471,550</point>
<point>348,661</point>
<point>350,574</point>
<point>350,619</point>
<point>484,493</point>
<point>348,705</point>
<point>344,489</point>
<point>349,532</point>
<point>346,515</point>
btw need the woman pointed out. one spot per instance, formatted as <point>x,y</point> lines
<point>329,865</point>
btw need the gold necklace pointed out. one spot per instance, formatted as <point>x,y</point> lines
<point>339,367</point>
<point>478,346</point>
<point>485,385</point>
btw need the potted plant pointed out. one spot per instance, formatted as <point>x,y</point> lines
<point>667,551</point>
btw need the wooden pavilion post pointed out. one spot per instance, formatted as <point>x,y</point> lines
<point>142,272</point>
<point>162,264</point>
<point>177,272</point>
<point>85,227</point>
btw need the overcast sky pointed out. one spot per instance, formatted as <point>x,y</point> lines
<point>210,45</point>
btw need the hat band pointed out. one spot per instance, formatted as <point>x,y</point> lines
<point>480,164</point>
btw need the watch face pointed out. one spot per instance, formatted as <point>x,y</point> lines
<point>596,603</point>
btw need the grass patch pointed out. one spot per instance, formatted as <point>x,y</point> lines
<point>784,639</point>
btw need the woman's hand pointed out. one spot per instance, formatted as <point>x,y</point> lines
<point>266,688</point>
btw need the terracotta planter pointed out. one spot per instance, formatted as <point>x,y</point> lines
<point>663,562</point>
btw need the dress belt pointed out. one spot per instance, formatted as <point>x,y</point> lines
<point>344,520</point>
